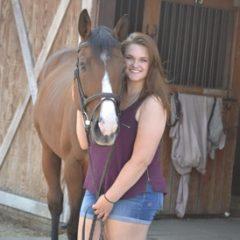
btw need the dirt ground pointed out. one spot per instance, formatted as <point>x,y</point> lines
<point>10,227</point>
<point>19,226</point>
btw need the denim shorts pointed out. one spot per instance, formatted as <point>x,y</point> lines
<point>139,209</point>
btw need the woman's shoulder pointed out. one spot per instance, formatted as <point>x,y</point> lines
<point>152,102</point>
<point>150,105</point>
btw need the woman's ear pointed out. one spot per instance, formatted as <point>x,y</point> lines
<point>84,25</point>
<point>121,28</point>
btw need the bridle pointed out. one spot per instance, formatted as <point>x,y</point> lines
<point>84,100</point>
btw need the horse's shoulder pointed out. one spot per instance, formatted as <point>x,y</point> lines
<point>62,56</point>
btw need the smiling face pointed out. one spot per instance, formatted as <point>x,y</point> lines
<point>137,62</point>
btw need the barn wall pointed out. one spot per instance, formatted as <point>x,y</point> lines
<point>236,93</point>
<point>236,71</point>
<point>209,193</point>
<point>11,68</point>
<point>21,172</point>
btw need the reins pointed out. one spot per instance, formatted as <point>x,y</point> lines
<point>105,171</point>
<point>84,101</point>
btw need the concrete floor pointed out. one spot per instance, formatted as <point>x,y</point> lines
<point>196,229</point>
<point>163,229</point>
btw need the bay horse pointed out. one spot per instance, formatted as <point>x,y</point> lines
<point>98,65</point>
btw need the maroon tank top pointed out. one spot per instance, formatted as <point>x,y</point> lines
<point>122,153</point>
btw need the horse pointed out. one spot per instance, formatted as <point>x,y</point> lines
<point>87,79</point>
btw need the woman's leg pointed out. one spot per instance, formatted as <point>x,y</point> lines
<point>88,224</point>
<point>119,230</point>
<point>87,212</point>
<point>130,218</point>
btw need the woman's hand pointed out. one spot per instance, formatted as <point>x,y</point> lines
<point>102,208</point>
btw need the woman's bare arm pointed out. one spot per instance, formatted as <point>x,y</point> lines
<point>81,134</point>
<point>151,125</point>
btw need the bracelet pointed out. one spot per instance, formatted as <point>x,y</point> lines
<point>108,199</point>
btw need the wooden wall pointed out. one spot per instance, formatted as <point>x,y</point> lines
<point>236,58</point>
<point>209,193</point>
<point>20,171</point>
<point>236,93</point>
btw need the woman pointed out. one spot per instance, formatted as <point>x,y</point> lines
<point>134,186</point>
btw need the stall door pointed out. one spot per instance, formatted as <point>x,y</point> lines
<point>196,43</point>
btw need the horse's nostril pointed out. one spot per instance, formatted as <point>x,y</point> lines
<point>101,126</point>
<point>100,122</point>
<point>107,129</point>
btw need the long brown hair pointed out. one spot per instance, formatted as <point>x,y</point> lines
<point>155,83</point>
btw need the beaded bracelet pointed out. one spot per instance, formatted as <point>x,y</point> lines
<point>108,199</point>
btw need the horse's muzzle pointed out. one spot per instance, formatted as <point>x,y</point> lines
<point>99,138</point>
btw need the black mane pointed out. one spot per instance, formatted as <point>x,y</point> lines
<point>102,39</point>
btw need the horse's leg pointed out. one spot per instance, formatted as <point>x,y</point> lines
<point>73,175</point>
<point>52,169</point>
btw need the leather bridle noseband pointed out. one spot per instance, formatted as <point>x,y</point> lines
<point>84,100</point>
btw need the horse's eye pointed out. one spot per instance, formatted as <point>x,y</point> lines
<point>82,66</point>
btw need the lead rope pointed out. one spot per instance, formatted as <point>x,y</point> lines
<point>83,102</point>
<point>105,170</point>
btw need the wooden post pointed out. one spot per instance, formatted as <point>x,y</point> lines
<point>151,18</point>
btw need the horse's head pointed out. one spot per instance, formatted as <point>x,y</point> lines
<point>99,77</point>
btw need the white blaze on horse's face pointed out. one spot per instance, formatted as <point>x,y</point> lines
<point>108,118</point>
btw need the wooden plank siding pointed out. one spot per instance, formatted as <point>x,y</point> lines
<point>236,169</point>
<point>107,16</point>
<point>236,66</point>
<point>236,94</point>
<point>32,73</point>
<point>21,172</point>
<point>151,18</point>
<point>209,193</point>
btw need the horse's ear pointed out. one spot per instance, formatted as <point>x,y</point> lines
<point>84,25</point>
<point>121,28</point>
